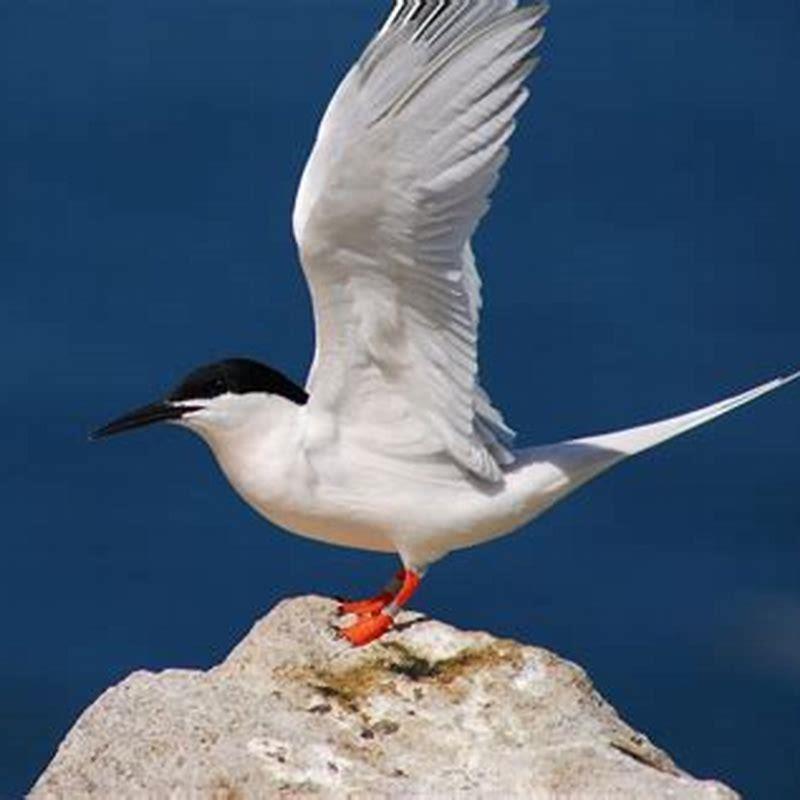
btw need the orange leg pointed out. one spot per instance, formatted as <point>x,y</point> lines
<point>376,604</point>
<point>366,608</point>
<point>369,628</point>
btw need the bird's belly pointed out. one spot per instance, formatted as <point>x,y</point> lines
<point>329,525</point>
<point>416,510</point>
<point>419,519</point>
<point>421,522</point>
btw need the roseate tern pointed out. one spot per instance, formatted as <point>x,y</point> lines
<point>394,445</point>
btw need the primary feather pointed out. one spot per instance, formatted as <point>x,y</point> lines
<point>406,157</point>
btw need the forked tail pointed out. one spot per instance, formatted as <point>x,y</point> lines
<point>550,473</point>
<point>636,440</point>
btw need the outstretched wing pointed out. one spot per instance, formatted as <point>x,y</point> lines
<point>407,154</point>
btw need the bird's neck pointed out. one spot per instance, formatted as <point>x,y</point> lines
<point>244,426</point>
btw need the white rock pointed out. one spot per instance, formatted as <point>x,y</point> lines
<point>429,712</point>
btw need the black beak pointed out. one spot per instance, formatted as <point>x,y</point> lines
<point>157,412</point>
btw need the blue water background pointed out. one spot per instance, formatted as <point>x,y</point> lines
<point>641,259</point>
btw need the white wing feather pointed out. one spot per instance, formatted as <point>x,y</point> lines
<point>407,154</point>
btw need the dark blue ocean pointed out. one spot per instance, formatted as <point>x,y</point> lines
<point>642,259</point>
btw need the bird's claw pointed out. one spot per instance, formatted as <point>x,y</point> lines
<point>365,608</point>
<point>367,629</point>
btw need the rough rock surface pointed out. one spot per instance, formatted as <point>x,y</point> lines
<point>428,712</point>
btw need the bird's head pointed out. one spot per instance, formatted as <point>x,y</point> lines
<point>222,396</point>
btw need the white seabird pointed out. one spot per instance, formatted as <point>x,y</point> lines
<point>394,445</point>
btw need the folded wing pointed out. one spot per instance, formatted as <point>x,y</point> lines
<point>406,158</point>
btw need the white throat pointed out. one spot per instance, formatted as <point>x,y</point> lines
<point>233,424</point>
